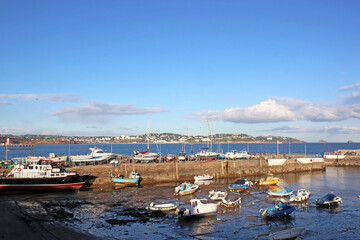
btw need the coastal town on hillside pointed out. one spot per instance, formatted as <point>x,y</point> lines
<point>153,138</point>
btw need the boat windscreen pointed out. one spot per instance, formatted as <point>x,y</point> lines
<point>328,197</point>
<point>240,181</point>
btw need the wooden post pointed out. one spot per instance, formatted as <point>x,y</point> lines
<point>126,174</point>
<point>177,171</point>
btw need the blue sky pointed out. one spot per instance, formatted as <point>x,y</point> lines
<point>285,68</point>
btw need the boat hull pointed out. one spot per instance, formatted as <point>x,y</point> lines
<point>70,182</point>
<point>126,181</point>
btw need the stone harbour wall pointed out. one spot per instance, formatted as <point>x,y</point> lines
<point>185,171</point>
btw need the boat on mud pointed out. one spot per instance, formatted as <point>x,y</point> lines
<point>198,208</point>
<point>269,180</point>
<point>280,192</point>
<point>163,207</point>
<point>133,179</point>
<point>186,188</point>
<point>329,200</point>
<point>204,177</point>
<point>278,210</point>
<point>41,175</point>
<point>281,232</point>
<point>231,199</point>
<point>301,196</point>
<point>216,195</point>
<point>240,185</point>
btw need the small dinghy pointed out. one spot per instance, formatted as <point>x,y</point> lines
<point>186,188</point>
<point>231,199</point>
<point>240,185</point>
<point>216,195</point>
<point>199,208</point>
<point>204,177</point>
<point>281,232</point>
<point>329,200</point>
<point>301,196</point>
<point>165,207</point>
<point>280,192</point>
<point>281,209</point>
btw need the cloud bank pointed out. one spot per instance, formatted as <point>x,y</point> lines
<point>98,111</point>
<point>63,97</point>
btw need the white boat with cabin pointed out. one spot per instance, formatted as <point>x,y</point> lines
<point>234,154</point>
<point>198,208</point>
<point>95,156</point>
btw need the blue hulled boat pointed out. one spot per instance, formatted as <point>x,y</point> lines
<point>282,209</point>
<point>240,185</point>
<point>134,178</point>
<point>280,192</point>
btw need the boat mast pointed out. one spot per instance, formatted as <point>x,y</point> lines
<point>148,143</point>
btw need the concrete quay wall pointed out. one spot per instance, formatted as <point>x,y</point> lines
<point>185,171</point>
<point>349,161</point>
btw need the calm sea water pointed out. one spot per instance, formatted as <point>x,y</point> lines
<point>121,214</point>
<point>127,149</point>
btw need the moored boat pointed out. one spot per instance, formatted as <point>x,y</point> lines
<point>164,207</point>
<point>269,180</point>
<point>301,196</point>
<point>231,199</point>
<point>329,200</point>
<point>134,178</point>
<point>205,154</point>
<point>280,192</point>
<point>204,177</point>
<point>186,188</point>
<point>216,195</point>
<point>198,208</point>
<point>281,232</point>
<point>234,154</point>
<point>281,209</point>
<point>41,175</point>
<point>240,185</point>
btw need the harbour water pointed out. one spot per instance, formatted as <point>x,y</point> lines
<point>127,149</point>
<point>121,213</point>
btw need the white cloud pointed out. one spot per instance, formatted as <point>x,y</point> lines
<point>99,111</point>
<point>325,130</point>
<point>5,102</point>
<point>349,87</point>
<point>23,131</point>
<point>64,97</point>
<point>278,109</point>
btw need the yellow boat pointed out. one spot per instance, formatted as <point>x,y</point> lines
<point>270,180</point>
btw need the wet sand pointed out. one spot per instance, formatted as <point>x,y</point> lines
<point>15,224</point>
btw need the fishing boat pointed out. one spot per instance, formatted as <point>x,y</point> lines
<point>206,154</point>
<point>216,195</point>
<point>281,232</point>
<point>240,185</point>
<point>134,178</point>
<point>96,156</point>
<point>269,180</point>
<point>164,207</point>
<point>198,208</point>
<point>231,199</point>
<point>204,177</point>
<point>182,154</point>
<point>234,154</point>
<point>186,188</point>
<point>281,209</point>
<point>280,192</point>
<point>41,175</point>
<point>329,200</point>
<point>301,196</point>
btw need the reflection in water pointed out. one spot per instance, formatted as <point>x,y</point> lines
<point>121,214</point>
